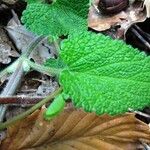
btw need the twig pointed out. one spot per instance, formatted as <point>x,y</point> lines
<point>20,100</point>
<point>141,38</point>
<point>147,147</point>
<point>144,34</point>
<point>139,113</point>
<point>31,110</point>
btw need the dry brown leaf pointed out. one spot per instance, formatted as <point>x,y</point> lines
<point>75,129</point>
<point>7,49</point>
<point>125,19</point>
<point>147,5</point>
<point>22,38</point>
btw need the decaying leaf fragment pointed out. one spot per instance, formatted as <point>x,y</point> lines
<point>7,49</point>
<point>10,1</point>
<point>147,5</point>
<point>75,129</point>
<point>22,37</point>
<point>124,19</point>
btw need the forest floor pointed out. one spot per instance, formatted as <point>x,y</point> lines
<point>19,92</point>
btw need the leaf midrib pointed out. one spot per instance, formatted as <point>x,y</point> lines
<point>104,77</point>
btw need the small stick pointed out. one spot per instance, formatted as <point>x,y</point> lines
<point>139,113</point>
<point>20,100</point>
<point>147,147</point>
<point>140,38</point>
<point>146,35</point>
<point>31,110</point>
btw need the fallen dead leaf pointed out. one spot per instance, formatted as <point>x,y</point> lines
<point>75,129</point>
<point>147,6</point>
<point>124,19</point>
<point>7,49</point>
<point>22,38</point>
<point>9,1</point>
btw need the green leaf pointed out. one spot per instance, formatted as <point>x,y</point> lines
<point>104,75</point>
<point>35,1</point>
<point>59,18</point>
<point>54,63</point>
<point>55,108</point>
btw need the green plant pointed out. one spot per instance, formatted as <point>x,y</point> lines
<point>56,19</point>
<point>103,75</point>
<point>97,73</point>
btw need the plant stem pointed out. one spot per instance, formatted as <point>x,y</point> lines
<point>11,87</point>
<point>13,81</point>
<point>6,70</point>
<point>43,69</point>
<point>56,44</point>
<point>3,73</point>
<point>16,77</point>
<point>31,110</point>
<point>33,45</point>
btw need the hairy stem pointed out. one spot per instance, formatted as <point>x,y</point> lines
<point>31,110</point>
<point>7,70</point>
<point>3,73</point>
<point>56,44</point>
<point>13,81</point>
<point>16,77</point>
<point>33,45</point>
<point>43,69</point>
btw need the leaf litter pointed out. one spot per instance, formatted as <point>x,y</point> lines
<point>7,50</point>
<point>133,14</point>
<point>77,129</point>
<point>84,134</point>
